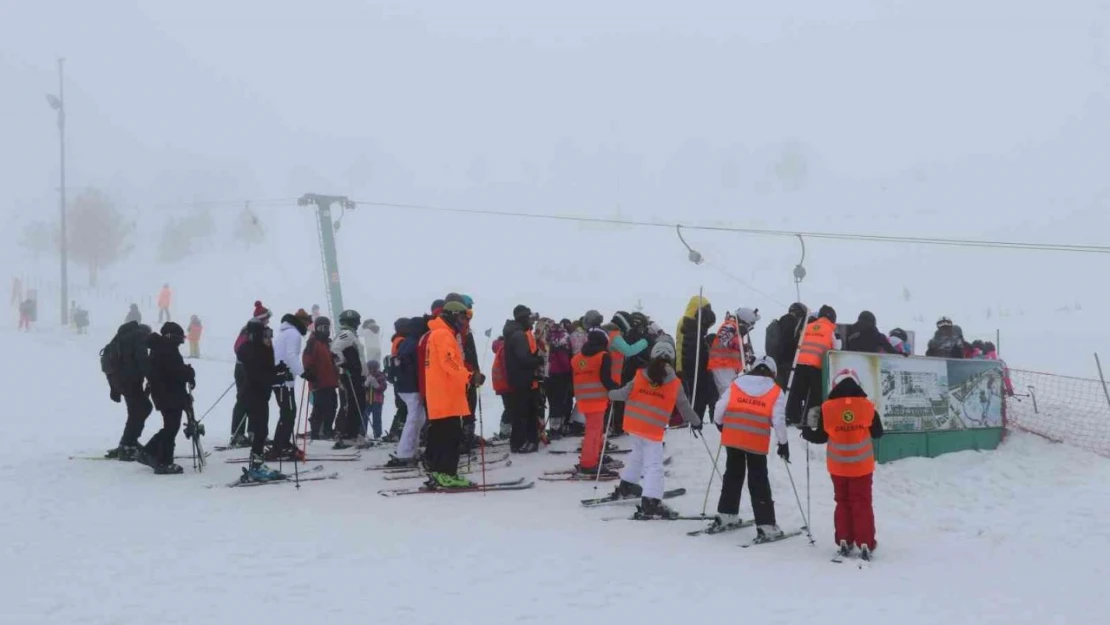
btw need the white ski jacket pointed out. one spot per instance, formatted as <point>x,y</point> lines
<point>346,339</point>
<point>756,385</point>
<point>287,349</point>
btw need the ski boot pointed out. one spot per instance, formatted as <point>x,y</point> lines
<point>845,550</point>
<point>291,454</point>
<point>168,469</point>
<point>239,440</point>
<point>113,454</point>
<point>651,508</point>
<point>768,533</point>
<point>446,482</point>
<point>602,471</point>
<point>626,490</point>
<point>402,463</point>
<point>259,472</point>
<point>128,453</point>
<point>865,553</point>
<point>723,521</point>
<point>144,457</point>
<point>343,444</point>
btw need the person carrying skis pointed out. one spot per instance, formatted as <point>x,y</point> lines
<point>593,380</point>
<point>447,379</point>
<point>287,354</point>
<point>352,379</point>
<point>805,387</point>
<point>730,352</point>
<point>323,379</point>
<point>782,337</point>
<point>171,380</point>
<point>126,364</point>
<point>259,377</point>
<point>749,409</point>
<point>406,381</point>
<point>195,330</point>
<point>650,398</point>
<point>849,423</point>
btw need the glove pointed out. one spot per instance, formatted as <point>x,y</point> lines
<point>114,394</point>
<point>784,451</point>
<point>478,379</point>
<point>695,429</point>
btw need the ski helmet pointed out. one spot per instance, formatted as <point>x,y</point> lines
<point>900,333</point>
<point>350,319</point>
<point>828,313</point>
<point>798,309</point>
<point>846,374</point>
<point>747,316</point>
<point>173,331</point>
<point>944,322</point>
<point>322,326</point>
<point>592,319</point>
<point>663,348</point>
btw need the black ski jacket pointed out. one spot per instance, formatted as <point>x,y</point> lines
<point>169,375</point>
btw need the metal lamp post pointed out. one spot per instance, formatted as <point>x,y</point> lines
<point>58,104</point>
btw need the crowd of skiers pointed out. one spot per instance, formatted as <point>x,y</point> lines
<point>586,377</point>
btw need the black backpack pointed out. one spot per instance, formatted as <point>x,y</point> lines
<point>111,361</point>
<point>771,345</point>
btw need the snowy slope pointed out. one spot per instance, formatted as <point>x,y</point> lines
<point>967,538</point>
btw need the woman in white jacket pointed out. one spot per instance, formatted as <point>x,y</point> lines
<point>752,406</point>
<point>287,357</point>
<point>371,340</point>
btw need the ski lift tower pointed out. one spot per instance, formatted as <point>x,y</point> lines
<point>326,229</point>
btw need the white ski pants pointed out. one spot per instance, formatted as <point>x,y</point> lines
<point>410,435</point>
<point>645,460</point>
<point>722,378</point>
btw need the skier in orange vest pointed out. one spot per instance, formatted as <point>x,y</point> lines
<point>165,298</point>
<point>749,409</point>
<point>804,387</point>
<point>848,423</point>
<point>649,400</point>
<point>592,375</point>
<point>730,350</point>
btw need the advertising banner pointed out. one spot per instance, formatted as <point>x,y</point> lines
<point>927,394</point>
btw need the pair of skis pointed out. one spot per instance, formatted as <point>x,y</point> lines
<point>416,474</point>
<point>310,475</point>
<point>503,457</point>
<point>318,458</point>
<point>518,484</point>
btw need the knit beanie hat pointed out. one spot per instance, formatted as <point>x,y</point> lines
<point>663,348</point>
<point>261,313</point>
<point>303,316</point>
<point>437,306</point>
<point>592,319</point>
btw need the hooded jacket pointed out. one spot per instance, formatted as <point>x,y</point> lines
<point>371,343</point>
<point>521,363</point>
<point>946,343</point>
<point>846,388</point>
<point>259,372</point>
<point>447,375</point>
<point>756,385</point>
<point>864,336</point>
<point>287,346</point>
<point>169,375</point>
<point>558,341</point>
<point>687,337</point>
<point>134,359</point>
<point>406,376</point>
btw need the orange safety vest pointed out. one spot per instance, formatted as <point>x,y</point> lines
<point>500,375</point>
<point>817,341</point>
<point>647,411</point>
<point>588,389</point>
<point>747,420</point>
<point>847,421</point>
<point>533,349</point>
<point>724,357</point>
<point>616,358</point>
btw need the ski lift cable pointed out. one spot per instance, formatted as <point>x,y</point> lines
<point>845,236</point>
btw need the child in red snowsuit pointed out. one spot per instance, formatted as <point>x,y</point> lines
<point>848,423</point>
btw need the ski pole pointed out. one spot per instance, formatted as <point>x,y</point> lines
<point>293,433</point>
<point>708,487</point>
<point>481,440</point>
<point>809,534</point>
<point>217,402</point>
<point>604,444</point>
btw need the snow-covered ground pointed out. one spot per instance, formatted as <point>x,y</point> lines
<point>1015,536</point>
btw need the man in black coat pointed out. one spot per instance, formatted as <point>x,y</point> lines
<point>522,369</point>
<point>783,336</point>
<point>864,336</point>
<point>170,382</point>
<point>128,383</point>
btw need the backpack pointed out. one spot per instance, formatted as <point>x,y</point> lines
<point>771,345</point>
<point>500,373</point>
<point>111,362</point>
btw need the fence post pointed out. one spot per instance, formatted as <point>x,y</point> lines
<point>1102,379</point>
